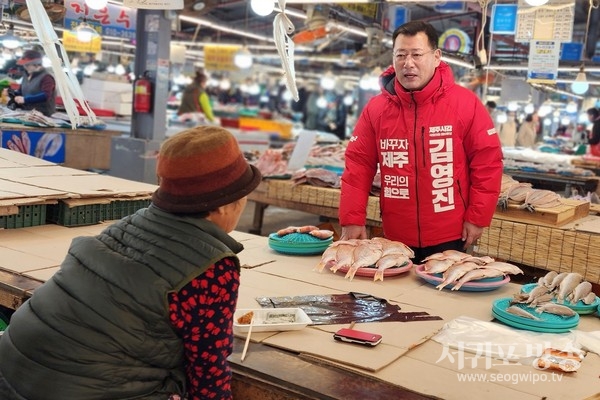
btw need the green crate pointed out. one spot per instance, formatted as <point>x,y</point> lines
<point>121,209</point>
<point>89,214</point>
<point>30,215</point>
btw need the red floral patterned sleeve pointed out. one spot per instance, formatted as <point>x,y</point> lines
<point>202,314</point>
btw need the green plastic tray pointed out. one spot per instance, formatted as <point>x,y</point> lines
<point>548,322</point>
<point>30,215</point>
<point>580,307</point>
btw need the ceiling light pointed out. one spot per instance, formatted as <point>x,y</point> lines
<point>96,4</point>
<point>262,7</point>
<point>536,3</point>
<point>198,6</point>
<point>85,33</point>
<point>581,85</point>
<point>10,40</point>
<point>243,58</point>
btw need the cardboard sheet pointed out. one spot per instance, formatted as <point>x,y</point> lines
<point>13,159</point>
<point>16,174</point>
<point>19,261</point>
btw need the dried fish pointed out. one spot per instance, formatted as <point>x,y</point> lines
<point>437,266</point>
<point>580,291</point>
<point>505,267</point>
<point>557,280</point>
<point>568,285</point>
<point>364,255</point>
<point>556,309</point>
<point>549,277</point>
<point>478,273</point>
<point>589,299</point>
<point>542,299</point>
<point>388,261</point>
<point>455,272</point>
<point>516,310</point>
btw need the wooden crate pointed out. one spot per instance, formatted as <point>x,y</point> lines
<point>319,196</point>
<point>569,211</point>
<point>550,248</point>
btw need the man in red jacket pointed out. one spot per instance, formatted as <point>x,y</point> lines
<point>436,148</point>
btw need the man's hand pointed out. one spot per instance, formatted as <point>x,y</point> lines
<point>471,233</point>
<point>354,232</point>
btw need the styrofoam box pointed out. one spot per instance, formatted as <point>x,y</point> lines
<point>272,319</point>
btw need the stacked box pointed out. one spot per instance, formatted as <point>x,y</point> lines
<point>90,214</point>
<point>29,215</point>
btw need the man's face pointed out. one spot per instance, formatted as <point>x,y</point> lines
<point>415,61</point>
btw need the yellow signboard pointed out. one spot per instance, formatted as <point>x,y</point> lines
<point>220,57</point>
<point>71,43</point>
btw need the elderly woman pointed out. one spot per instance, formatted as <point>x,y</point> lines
<point>145,309</point>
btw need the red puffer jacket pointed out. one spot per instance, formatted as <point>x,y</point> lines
<point>440,160</point>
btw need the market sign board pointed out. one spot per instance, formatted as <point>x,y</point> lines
<point>543,61</point>
<point>71,43</point>
<point>220,57</point>
<point>112,20</point>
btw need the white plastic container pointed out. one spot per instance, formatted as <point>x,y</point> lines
<point>272,320</point>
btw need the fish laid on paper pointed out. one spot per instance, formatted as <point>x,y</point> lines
<point>437,266</point>
<point>555,309</point>
<point>557,280</point>
<point>516,310</point>
<point>505,267</point>
<point>478,273</point>
<point>580,291</point>
<point>364,255</point>
<point>455,272</point>
<point>589,299</point>
<point>388,261</point>
<point>568,285</point>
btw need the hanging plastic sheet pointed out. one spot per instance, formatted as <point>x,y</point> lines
<point>345,308</point>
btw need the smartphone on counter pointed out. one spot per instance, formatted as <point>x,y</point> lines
<point>358,337</point>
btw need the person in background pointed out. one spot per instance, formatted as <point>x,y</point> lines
<point>145,308</point>
<point>195,99</point>
<point>507,131</point>
<point>526,135</point>
<point>38,87</point>
<point>436,147</point>
<point>594,135</point>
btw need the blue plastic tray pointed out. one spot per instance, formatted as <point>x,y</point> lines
<point>580,307</point>
<point>548,322</point>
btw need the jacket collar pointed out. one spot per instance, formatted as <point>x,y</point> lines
<point>442,79</point>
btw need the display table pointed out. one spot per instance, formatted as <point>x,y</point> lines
<point>309,364</point>
<point>543,240</point>
<point>83,148</point>
<point>564,183</point>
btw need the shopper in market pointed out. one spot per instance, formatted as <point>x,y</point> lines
<point>144,309</point>
<point>526,136</point>
<point>38,87</point>
<point>594,135</point>
<point>437,149</point>
<point>195,99</point>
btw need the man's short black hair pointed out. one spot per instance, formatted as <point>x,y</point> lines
<point>491,104</point>
<point>413,27</point>
<point>593,112</point>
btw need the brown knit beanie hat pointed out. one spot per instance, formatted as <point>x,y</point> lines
<point>201,169</point>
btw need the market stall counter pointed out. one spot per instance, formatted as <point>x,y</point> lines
<point>86,149</point>
<point>308,363</point>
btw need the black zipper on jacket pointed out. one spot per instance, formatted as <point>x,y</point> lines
<point>417,169</point>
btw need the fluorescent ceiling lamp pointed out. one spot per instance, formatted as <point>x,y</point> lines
<point>205,22</point>
<point>243,58</point>
<point>458,63</point>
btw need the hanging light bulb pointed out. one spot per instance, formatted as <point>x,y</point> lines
<point>96,4</point>
<point>581,85</point>
<point>262,7</point>
<point>243,58</point>
<point>536,3</point>
<point>85,33</point>
<point>9,40</point>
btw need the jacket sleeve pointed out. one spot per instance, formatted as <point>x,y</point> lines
<point>360,168</point>
<point>595,137</point>
<point>484,158</point>
<point>206,107</point>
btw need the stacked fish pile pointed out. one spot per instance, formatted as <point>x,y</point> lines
<point>524,194</point>
<point>458,268</point>
<point>562,294</point>
<point>354,254</point>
